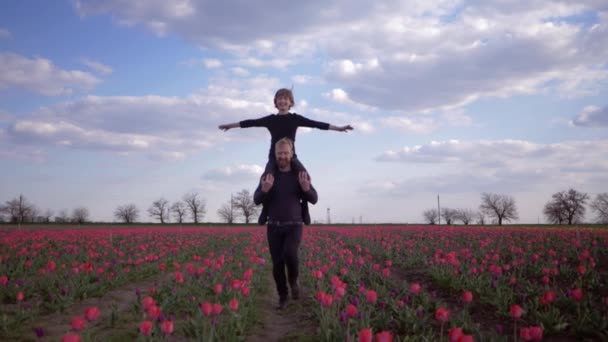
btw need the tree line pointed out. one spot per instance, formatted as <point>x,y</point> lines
<point>191,208</point>
<point>565,207</point>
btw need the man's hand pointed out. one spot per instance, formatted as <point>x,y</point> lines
<point>304,180</point>
<point>346,128</point>
<point>267,182</point>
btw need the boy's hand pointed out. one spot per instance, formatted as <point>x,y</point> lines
<point>304,180</point>
<point>267,182</point>
<point>225,127</point>
<point>346,128</point>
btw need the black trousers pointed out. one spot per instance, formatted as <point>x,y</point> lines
<point>284,243</point>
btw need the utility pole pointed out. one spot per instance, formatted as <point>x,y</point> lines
<point>328,217</point>
<point>438,210</point>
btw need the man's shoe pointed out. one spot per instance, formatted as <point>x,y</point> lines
<point>282,303</point>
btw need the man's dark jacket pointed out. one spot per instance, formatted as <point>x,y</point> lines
<point>303,202</point>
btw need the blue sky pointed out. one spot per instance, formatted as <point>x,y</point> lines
<point>105,103</point>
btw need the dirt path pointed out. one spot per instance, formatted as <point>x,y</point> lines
<point>295,323</point>
<point>121,299</point>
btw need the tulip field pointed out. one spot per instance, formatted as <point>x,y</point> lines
<point>359,283</point>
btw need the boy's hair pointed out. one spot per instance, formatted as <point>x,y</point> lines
<point>284,141</point>
<point>284,92</point>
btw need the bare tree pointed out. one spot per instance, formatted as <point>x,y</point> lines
<point>465,215</point>
<point>573,203</point>
<point>449,215</point>
<point>18,209</point>
<point>80,215</point>
<point>159,210</point>
<point>34,215</point>
<point>243,201</point>
<point>481,218</point>
<point>430,216</point>
<point>195,205</point>
<point>600,207</point>
<point>554,211</point>
<point>63,216</point>
<point>498,206</point>
<point>179,211</point>
<point>127,213</point>
<point>227,212</point>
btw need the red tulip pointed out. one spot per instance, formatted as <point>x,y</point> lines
<point>245,291</point>
<point>78,323</point>
<point>217,309</point>
<point>351,311</point>
<point>91,313</point>
<point>148,302</point>
<point>467,296</point>
<point>415,288</point>
<point>371,296</point>
<point>384,336</point>
<point>234,304</point>
<point>455,334</point>
<point>145,328</point>
<point>206,308</point>
<point>71,337</point>
<point>3,280</point>
<point>20,296</point>
<point>466,338</point>
<point>365,335</point>
<point>547,298</point>
<point>217,288</point>
<point>166,327</point>
<point>442,314</point>
<point>516,311</point>
<point>577,294</point>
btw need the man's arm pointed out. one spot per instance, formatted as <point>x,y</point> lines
<point>311,195</point>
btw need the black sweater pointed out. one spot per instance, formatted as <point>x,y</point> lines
<point>284,125</point>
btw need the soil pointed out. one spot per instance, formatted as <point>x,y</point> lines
<point>294,323</point>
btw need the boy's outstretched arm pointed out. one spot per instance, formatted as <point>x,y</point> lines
<point>226,127</point>
<point>261,122</point>
<point>341,128</point>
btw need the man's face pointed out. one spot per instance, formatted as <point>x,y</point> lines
<point>284,154</point>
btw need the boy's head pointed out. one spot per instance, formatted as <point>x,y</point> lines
<point>283,93</point>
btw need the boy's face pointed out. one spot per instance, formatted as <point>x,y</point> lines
<point>283,103</point>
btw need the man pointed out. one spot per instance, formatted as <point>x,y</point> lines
<point>283,192</point>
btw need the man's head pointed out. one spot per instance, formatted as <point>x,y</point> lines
<point>283,151</point>
<point>283,99</point>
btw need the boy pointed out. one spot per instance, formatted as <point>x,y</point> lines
<point>284,124</point>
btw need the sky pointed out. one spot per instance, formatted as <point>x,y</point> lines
<point>106,103</point>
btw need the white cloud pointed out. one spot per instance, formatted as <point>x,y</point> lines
<point>505,154</point>
<point>507,166</point>
<point>592,116</point>
<point>168,128</point>
<point>410,124</point>
<point>408,56</point>
<point>306,79</point>
<point>235,172</point>
<point>240,71</point>
<point>96,66</point>
<point>211,63</point>
<point>4,33</point>
<point>42,76</point>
